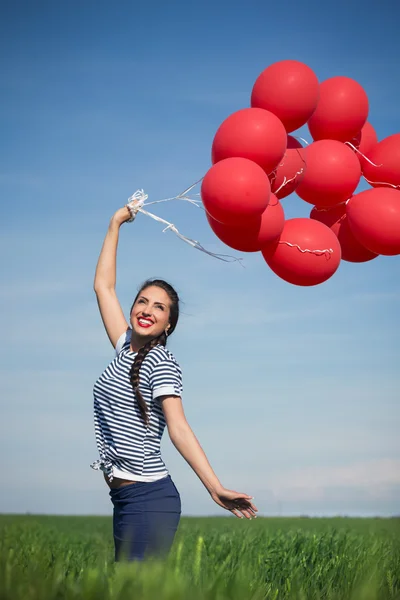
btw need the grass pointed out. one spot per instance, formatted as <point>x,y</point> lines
<point>46,557</point>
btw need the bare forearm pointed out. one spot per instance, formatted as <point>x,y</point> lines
<point>106,269</point>
<point>187,444</point>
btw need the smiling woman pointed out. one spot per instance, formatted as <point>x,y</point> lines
<point>137,395</point>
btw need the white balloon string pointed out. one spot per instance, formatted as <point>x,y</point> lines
<point>286,181</point>
<point>272,176</point>
<point>281,186</point>
<point>182,196</point>
<point>193,243</point>
<point>327,209</point>
<point>327,251</point>
<point>300,138</point>
<point>196,203</point>
<point>381,182</point>
<point>344,215</point>
<point>363,155</point>
<point>139,197</point>
<point>137,201</point>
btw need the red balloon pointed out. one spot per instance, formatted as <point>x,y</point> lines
<point>307,253</point>
<point>341,112</point>
<point>290,90</point>
<point>235,189</point>
<point>290,171</point>
<point>251,133</point>
<point>336,219</point>
<point>386,155</point>
<point>332,175</point>
<point>374,218</point>
<point>252,235</point>
<point>364,142</point>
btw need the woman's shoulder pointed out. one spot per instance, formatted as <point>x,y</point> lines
<point>123,340</point>
<point>161,354</point>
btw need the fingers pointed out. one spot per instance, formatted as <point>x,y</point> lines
<point>247,506</point>
<point>246,503</point>
<point>248,514</point>
<point>238,504</point>
<point>245,513</point>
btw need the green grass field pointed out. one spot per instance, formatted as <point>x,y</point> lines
<point>212,558</point>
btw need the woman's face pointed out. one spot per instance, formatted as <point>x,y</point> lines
<point>150,313</point>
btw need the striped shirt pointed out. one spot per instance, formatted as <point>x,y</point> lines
<point>127,448</point>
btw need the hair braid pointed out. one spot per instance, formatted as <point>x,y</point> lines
<point>135,368</point>
<point>161,339</point>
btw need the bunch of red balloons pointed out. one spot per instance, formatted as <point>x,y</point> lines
<point>256,163</point>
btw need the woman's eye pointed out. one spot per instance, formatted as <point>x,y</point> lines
<point>140,301</point>
<point>160,307</point>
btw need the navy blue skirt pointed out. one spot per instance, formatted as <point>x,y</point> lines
<point>145,518</point>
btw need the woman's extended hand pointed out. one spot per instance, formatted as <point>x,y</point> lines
<point>235,502</point>
<point>123,214</point>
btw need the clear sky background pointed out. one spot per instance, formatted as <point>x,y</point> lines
<point>292,392</point>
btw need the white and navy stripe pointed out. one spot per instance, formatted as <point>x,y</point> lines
<point>127,448</point>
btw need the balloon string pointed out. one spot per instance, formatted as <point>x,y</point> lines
<point>381,182</point>
<point>286,181</point>
<point>182,196</point>
<point>196,203</point>
<point>137,201</point>
<point>363,155</point>
<point>327,209</point>
<point>300,138</point>
<point>193,243</point>
<point>344,215</point>
<point>327,251</point>
<point>272,175</point>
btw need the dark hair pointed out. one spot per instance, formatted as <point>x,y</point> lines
<point>161,339</point>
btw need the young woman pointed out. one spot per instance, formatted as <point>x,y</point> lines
<point>134,398</point>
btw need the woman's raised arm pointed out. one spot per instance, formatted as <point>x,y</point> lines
<point>105,279</point>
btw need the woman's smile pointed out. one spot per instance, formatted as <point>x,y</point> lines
<point>144,322</point>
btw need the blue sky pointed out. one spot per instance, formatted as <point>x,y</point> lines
<point>292,392</point>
